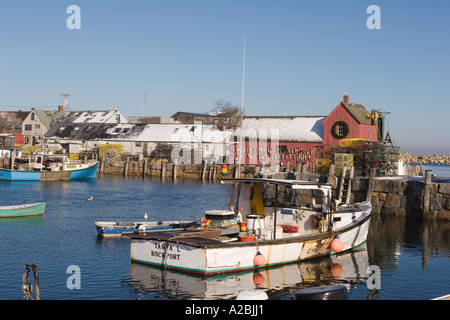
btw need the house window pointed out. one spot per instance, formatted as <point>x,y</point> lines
<point>37,126</point>
<point>28,127</point>
<point>341,129</point>
<point>32,116</point>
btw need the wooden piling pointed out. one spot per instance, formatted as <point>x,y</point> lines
<point>373,172</point>
<point>299,167</point>
<point>174,168</point>
<point>426,194</point>
<point>204,171</point>
<point>144,169</point>
<point>127,164</point>
<point>13,159</point>
<point>349,185</point>
<point>331,174</point>
<point>163,169</point>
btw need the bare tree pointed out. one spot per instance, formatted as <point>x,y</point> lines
<point>228,115</point>
<point>8,122</point>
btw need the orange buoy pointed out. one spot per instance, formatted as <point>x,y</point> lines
<point>337,245</point>
<point>259,259</point>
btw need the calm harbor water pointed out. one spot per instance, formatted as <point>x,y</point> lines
<point>413,256</point>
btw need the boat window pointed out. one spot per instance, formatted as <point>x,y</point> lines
<point>125,130</point>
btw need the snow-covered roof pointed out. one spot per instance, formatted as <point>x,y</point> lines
<point>98,117</point>
<point>298,129</point>
<point>171,133</point>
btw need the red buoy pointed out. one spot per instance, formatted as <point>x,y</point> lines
<point>259,259</point>
<point>337,245</point>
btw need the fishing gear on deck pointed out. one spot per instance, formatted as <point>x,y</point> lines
<point>204,221</point>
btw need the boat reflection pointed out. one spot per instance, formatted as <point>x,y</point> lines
<point>347,269</point>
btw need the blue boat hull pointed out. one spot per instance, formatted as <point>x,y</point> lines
<point>114,229</point>
<point>22,210</point>
<point>80,174</point>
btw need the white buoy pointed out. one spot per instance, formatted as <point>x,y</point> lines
<point>91,198</point>
<point>145,217</point>
<point>252,295</point>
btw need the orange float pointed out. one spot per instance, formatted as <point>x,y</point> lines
<point>337,245</point>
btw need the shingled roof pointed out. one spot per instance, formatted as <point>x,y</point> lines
<point>358,111</point>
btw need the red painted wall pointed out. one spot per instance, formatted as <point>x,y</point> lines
<point>20,139</point>
<point>289,152</point>
<point>356,129</point>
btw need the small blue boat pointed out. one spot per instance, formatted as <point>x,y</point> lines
<point>23,210</point>
<point>44,167</point>
<point>115,229</point>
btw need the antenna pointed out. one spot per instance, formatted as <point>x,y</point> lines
<point>243,77</point>
<point>66,101</point>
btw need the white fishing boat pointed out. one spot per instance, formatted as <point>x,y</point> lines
<point>287,221</point>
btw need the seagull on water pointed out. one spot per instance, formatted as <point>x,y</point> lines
<point>90,198</point>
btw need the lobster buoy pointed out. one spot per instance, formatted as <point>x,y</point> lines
<point>337,245</point>
<point>224,169</point>
<point>259,259</point>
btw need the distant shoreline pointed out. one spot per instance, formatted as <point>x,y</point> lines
<point>431,158</point>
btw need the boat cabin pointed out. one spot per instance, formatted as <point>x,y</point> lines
<point>54,162</point>
<point>274,209</point>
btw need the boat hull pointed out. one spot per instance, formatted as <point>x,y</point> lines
<point>206,257</point>
<point>77,174</point>
<point>115,229</point>
<point>22,210</point>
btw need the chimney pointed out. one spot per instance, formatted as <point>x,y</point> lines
<point>60,108</point>
<point>346,98</point>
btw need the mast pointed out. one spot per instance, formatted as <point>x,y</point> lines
<point>242,113</point>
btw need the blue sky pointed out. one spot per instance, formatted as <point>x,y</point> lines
<point>301,56</point>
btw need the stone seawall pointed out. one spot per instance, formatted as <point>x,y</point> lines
<point>403,196</point>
